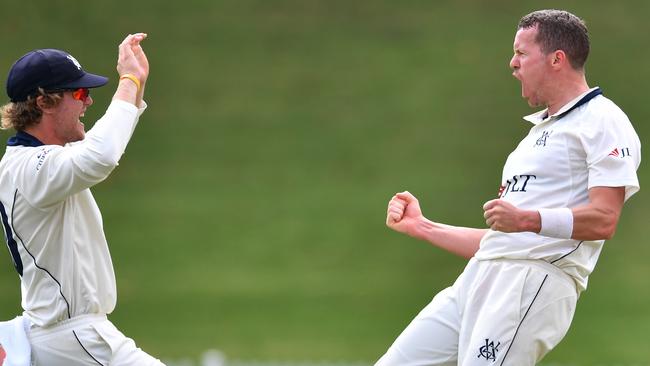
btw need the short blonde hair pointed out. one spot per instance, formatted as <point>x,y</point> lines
<point>21,115</point>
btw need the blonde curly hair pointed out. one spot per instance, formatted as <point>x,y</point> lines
<point>21,115</point>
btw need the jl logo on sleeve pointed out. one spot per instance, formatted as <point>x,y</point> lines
<point>625,151</point>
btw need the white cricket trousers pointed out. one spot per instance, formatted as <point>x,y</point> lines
<point>498,312</point>
<point>86,340</point>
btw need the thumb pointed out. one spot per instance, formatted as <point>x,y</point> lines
<point>407,196</point>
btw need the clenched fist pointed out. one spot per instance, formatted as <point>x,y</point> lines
<point>404,213</point>
<point>505,217</point>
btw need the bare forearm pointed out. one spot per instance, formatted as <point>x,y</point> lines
<point>128,91</point>
<point>462,241</point>
<point>405,216</point>
<point>589,222</point>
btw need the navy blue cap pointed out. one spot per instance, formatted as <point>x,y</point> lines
<point>49,69</point>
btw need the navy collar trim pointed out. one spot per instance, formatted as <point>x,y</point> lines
<point>22,138</point>
<point>591,95</point>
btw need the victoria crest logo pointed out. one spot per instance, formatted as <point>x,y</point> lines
<point>541,141</point>
<point>489,351</point>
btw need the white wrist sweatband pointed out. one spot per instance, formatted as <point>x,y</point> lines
<point>556,222</point>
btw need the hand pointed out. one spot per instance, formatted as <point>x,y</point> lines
<point>404,213</point>
<point>505,217</point>
<point>131,58</point>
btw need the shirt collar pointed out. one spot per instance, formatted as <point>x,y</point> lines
<point>22,138</point>
<point>541,116</point>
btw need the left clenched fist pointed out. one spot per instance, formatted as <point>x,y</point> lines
<point>505,217</point>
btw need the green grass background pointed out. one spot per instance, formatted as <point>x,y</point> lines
<point>248,212</point>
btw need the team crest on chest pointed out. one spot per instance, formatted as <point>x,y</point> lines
<point>541,141</point>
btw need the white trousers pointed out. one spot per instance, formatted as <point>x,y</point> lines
<point>86,340</point>
<point>498,312</point>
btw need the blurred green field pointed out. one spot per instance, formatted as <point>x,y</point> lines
<point>248,212</point>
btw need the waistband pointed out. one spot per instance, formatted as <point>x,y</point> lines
<point>36,332</point>
<point>535,263</point>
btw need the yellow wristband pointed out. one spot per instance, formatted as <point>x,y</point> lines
<point>132,78</point>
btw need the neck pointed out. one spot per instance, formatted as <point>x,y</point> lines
<point>44,135</point>
<point>567,90</point>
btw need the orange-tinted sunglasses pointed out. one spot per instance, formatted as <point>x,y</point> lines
<point>81,94</point>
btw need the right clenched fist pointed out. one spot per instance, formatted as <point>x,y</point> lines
<point>403,212</point>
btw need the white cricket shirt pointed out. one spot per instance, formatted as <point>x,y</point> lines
<point>52,223</point>
<point>588,143</point>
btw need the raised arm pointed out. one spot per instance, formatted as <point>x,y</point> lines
<point>53,173</point>
<point>405,216</point>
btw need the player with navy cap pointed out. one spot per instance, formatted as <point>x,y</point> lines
<point>560,197</point>
<point>51,221</point>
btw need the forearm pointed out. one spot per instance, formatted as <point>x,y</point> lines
<point>462,241</point>
<point>589,223</point>
<point>128,91</point>
<point>596,220</point>
<point>139,98</point>
<point>593,223</point>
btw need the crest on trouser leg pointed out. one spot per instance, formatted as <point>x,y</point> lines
<point>489,350</point>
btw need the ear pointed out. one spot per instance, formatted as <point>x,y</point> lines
<point>558,58</point>
<point>45,107</point>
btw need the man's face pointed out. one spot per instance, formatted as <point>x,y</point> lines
<point>531,67</point>
<point>68,126</point>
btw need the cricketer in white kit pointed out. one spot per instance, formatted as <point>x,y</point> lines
<point>51,221</point>
<point>561,196</point>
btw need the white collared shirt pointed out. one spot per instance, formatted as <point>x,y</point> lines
<point>554,166</point>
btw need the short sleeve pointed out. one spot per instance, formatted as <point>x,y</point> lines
<point>613,152</point>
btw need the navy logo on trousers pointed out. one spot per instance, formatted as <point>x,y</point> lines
<point>489,351</point>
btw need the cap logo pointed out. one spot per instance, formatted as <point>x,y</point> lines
<point>74,61</point>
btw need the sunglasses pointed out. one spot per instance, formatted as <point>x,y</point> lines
<point>81,94</point>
